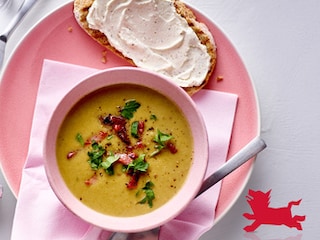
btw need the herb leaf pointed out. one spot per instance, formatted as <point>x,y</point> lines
<point>134,129</point>
<point>139,164</point>
<point>153,117</point>
<point>79,138</point>
<point>96,155</point>
<point>107,165</point>
<point>160,139</point>
<point>149,194</point>
<point>129,108</point>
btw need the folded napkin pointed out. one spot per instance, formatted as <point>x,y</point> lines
<point>40,215</point>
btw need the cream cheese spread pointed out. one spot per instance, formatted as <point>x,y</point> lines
<point>154,36</point>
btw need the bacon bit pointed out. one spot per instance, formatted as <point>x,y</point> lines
<point>140,127</point>
<point>129,148</point>
<point>70,29</point>
<point>124,158</point>
<point>133,182</point>
<point>172,148</point>
<point>96,138</point>
<point>118,124</point>
<point>71,154</point>
<point>91,180</point>
<point>140,145</point>
<point>117,127</point>
<point>133,155</point>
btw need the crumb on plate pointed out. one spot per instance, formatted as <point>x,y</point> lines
<point>219,78</point>
<point>104,56</point>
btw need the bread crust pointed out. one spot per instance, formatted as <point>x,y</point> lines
<point>81,9</point>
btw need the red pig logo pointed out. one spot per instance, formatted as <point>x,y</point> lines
<point>263,214</point>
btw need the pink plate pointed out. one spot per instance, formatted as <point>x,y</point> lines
<point>58,37</point>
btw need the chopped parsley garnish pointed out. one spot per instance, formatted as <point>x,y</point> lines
<point>107,165</point>
<point>129,108</point>
<point>96,155</point>
<point>97,159</point>
<point>149,194</point>
<point>139,164</point>
<point>160,139</point>
<point>153,117</point>
<point>79,138</point>
<point>132,159</point>
<point>135,129</point>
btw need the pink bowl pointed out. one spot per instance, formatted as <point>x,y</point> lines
<point>129,75</point>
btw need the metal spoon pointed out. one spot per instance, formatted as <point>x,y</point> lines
<point>27,4</point>
<point>246,153</point>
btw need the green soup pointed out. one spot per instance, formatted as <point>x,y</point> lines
<point>124,150</point>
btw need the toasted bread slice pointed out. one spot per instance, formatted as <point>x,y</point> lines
<point>81,9</point>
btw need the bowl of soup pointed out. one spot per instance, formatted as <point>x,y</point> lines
<point>126,150</point>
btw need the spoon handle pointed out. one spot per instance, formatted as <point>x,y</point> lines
<point>250,150</point>
<point>247,152</point>
<point>27,4</point>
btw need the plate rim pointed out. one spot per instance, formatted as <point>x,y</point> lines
<point>197,13</point>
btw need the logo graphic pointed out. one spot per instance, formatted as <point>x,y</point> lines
<point>263,214</point>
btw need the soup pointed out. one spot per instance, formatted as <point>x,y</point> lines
<point>124,150</point>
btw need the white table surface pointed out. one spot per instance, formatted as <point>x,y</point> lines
<point>279,41</point>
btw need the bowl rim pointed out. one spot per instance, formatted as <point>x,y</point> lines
<point>192,184</point>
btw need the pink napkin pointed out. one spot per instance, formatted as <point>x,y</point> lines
<point>40,215</point>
